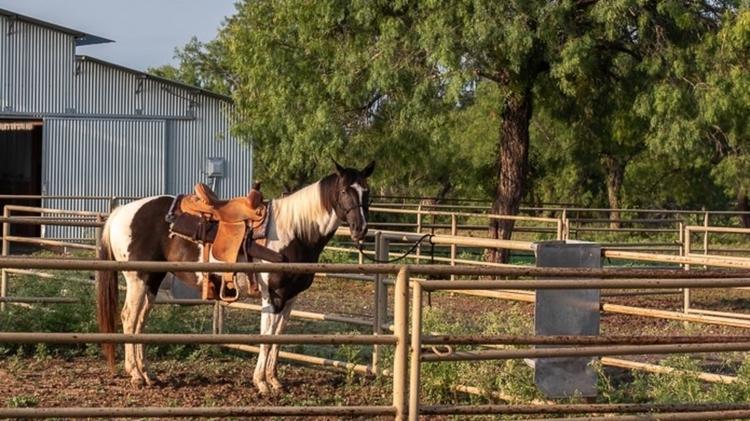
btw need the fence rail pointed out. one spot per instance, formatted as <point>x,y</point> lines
<point>735,274</point>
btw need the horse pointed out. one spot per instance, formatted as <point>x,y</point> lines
<point>300,226</point>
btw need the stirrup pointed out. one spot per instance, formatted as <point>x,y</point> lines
<point>224,287</point>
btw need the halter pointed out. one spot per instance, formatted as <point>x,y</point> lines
<point>351,208</point>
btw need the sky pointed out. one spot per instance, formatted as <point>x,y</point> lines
<point>145,32</point>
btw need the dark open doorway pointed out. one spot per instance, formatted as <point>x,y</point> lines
<point>21,166</point>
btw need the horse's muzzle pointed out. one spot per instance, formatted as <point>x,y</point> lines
<point>359,235</point>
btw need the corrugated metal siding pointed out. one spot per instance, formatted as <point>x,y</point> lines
<point>40,75</point>
<point>4,59</point>
<point>39,68</point>
<point>102,89</point>
<point>97,157</point>
<point>191,142</point>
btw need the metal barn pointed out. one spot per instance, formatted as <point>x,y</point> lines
<point>74,125</point>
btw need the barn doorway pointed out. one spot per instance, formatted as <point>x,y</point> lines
<point>21,167</point>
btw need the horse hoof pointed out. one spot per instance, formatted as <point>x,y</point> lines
<point>152,380</point>
<point>276,385</point>
<point>137,382</point>
<point>262,388</point>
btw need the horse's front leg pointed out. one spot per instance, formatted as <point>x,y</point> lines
<point>266,325</point>
<point>279,323</point>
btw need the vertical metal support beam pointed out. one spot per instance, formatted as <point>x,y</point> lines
<point>98,235</point>
<point>5,252</point>
<point>454,248</point>
<point>705,233</point>
<point>419,229</point>
<point>380,296</point>
<point>218,318</point>
<point>416,351</point>
<point>215,318</point>
<point>401,330</point>
<point>685,250</point>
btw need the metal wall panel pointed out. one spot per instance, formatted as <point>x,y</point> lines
<point>192,142</point>
<point>98,157</point>
<point>38,68</point>
<point>4,60</point>
<point>103,89</point>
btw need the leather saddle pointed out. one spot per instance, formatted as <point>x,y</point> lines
<point>224,228</point>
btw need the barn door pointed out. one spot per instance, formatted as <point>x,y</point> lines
<point>20,167</point>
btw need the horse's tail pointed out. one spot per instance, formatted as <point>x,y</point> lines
<point>106,297</point>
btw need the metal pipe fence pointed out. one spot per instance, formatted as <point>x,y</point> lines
<point>707,278</point>
<point>721,344</point>
<point>400,335</point>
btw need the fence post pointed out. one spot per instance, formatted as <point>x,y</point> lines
<point>705,233</point>
<point>218,318</point>
<point>5,252</point>
<point>401,330</point>
<point>685,252</point>
<point>454,248</point>
<point>98,235</point>
<point>566,224</point>
<point>380,306</point>
<point>419,229</point>
<point>416,351</point>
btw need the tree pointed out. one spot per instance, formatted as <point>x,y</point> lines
<point>420,85</point>
<point>200,64</point>
<point>698,110</point>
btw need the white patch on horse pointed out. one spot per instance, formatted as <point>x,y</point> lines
<point>119,228</point>
<point>302,215</point>
<point>361,192</point>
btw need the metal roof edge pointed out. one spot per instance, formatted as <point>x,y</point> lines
<point>82,38</point>
<point>83,57</point>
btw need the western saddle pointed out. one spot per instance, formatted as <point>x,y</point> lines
<point>225,228</point>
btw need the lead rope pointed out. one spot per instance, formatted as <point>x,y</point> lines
<point>395,259</point>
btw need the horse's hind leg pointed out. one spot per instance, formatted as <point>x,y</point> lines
<point>138,303</point>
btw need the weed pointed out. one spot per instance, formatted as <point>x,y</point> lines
<point>22,401</point>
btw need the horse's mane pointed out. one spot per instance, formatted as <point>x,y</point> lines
<point>304,213</point>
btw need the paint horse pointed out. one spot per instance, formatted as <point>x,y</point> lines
<point>300,226</point>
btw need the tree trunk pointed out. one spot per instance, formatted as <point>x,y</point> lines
<point>743,206</point>
<point>615,173</point>
<point>512,165</point>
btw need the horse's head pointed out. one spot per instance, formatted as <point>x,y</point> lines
<point>353,198</point>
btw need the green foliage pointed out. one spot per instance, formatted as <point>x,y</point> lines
<point>634,103</point>
<point>22,401</point>
<point>513,379</point>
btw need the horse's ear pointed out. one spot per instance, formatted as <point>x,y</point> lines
<point>368,169</point>
<point>339,168</point>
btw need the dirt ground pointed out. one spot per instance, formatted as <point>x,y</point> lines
<point>85,381</point>
<point>226,380</point>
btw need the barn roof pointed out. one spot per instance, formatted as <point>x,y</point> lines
<point>82,38</point>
